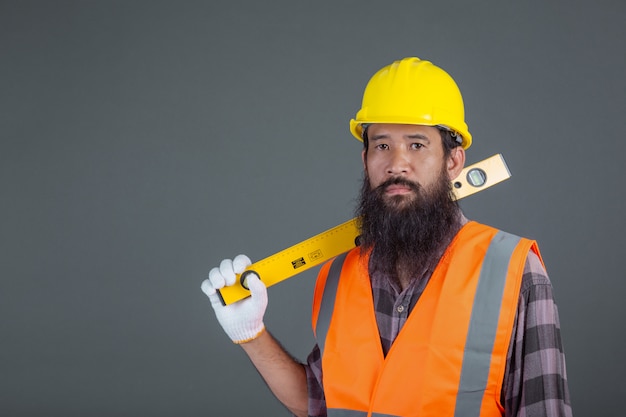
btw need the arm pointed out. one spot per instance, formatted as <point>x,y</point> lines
<point>285,376</point>
<point>243,323</point>
<point>535,382</point>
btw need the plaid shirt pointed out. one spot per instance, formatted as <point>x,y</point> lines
<point>535,381</point>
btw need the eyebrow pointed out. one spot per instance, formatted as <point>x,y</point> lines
<point>410,137</point>
<point>418,136</point>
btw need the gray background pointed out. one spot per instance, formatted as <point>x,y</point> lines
<point>144,141</point>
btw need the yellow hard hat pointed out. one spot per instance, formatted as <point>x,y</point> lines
<point>413,91</point>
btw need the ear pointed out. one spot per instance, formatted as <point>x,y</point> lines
<point>364,158</point>
<point>456,162</point>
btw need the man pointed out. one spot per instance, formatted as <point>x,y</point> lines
<point>432,315</point>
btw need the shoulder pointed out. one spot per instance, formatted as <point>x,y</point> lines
<point>536,305</point>
<point>535,277</point>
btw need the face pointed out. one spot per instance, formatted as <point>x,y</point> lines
<point>406,209</point>
<point>411,152</point>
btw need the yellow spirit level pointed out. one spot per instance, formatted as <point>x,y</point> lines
<point>326,245</point>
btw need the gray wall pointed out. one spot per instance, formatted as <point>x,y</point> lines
<point>143,141</point>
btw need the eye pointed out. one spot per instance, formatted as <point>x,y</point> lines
<point>417,145</point>
<point>382,146</point>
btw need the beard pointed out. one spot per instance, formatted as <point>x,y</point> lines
<point>407,232</point>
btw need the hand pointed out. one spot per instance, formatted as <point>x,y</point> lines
<point>243,320</point>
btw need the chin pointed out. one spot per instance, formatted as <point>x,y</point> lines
<point>399,201</point>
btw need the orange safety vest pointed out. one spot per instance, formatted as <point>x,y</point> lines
<point>449,358</point>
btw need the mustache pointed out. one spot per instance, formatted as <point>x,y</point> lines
<point>414,186</point>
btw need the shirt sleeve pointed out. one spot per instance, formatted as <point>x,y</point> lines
<point>313,367</point>
<point>535,383</point>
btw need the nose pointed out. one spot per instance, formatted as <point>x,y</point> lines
<point>398,163</point>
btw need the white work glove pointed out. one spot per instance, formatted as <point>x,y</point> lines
<point>243,320</point>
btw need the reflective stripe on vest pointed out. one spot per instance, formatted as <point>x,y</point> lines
<point>483,324</point>
<point>328,300</point>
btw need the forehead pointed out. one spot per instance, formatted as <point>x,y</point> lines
<point>387,130</point>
